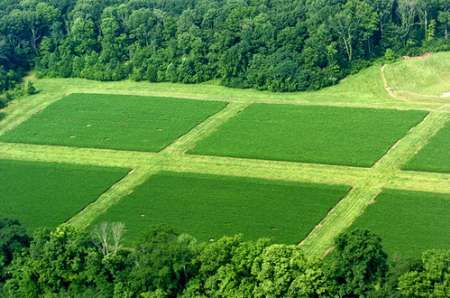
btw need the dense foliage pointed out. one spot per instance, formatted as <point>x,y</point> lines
<point>69,263</point>
<point>280,45</point>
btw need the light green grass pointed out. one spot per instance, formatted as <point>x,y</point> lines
<point>113,121</point>
<point>343,136</point>
<point>364,87</point>
<point>212,206</point>
<point>435,156</point>
<point>48,194</point>
<point>409,222</point>
<point>428,76</point>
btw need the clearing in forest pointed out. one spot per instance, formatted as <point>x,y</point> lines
<point>113,122</point>
<point>409,222</point>
<point>47,194</point>
<point>312,134</point>
<point>352,123</point>
<point>435,156</point>
<point>209,207</point>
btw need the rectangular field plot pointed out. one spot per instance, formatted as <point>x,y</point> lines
<point>113,121</point>
<point>209,207</point>
<point>409,222</point>
<point>47,194</point>
<point>435,156</point>
<point>341,136</point>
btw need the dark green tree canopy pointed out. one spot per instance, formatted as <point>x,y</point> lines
<point>282,45</point>
<point>359,263</point>
<point>13,238</point>
<point>66,262</point>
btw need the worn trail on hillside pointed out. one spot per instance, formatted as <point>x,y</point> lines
<point>408,95</point>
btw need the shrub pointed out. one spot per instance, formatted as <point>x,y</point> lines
<point>2,103</point>
<point>29,88</point>
<point>389,56</point>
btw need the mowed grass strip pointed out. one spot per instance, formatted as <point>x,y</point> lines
<point>312,134</point>
<point>409,222</point>
<point>435,156</point>
<point>210,207</point>
<point>113,121</point>
<point>47,194</point>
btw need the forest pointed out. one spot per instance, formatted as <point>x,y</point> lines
<point>277,45</point>
<point>70,263</point>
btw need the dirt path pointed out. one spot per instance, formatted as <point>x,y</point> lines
<point>388,89</point>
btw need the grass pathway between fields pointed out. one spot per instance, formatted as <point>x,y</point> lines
<point>20,111</point>
<point>277,170</point>
<point>367,183</point>
<point>121,189</point>
<point>189,140</point>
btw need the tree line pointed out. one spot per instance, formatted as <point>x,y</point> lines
<point>66,262</point>
<point>278,45</point>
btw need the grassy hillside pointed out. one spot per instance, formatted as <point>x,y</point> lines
<point>426,76</point>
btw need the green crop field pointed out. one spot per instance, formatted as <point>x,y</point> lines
<point>435,156</point>
<point>409,222</point>
<point>113,122</point>
<point>48,194</point>
<point>342,136</point>
<point>212,206</point>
